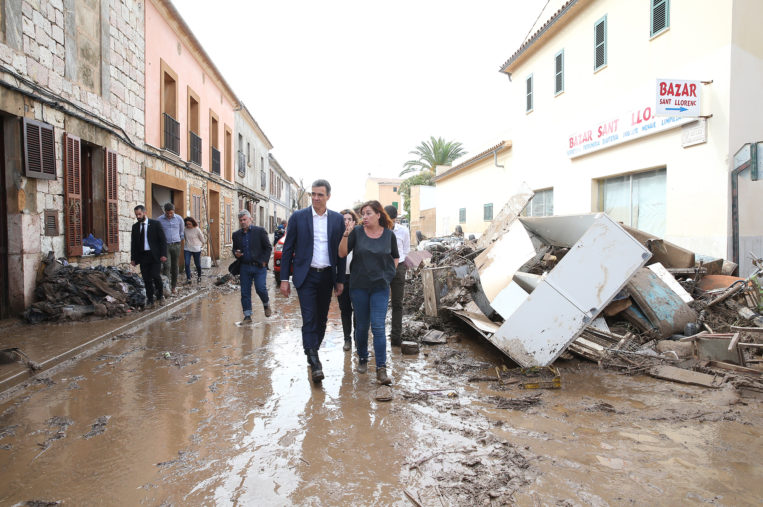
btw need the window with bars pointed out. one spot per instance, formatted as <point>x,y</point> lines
<point>487,213</point>
<point>462,216</point>
<point>529,94</point>
<point>541,205</point>
<point>659,16</point>
<point>600,44</point>
<point>559,72</point>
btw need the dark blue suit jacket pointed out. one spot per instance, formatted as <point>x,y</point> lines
<point>299,243</point>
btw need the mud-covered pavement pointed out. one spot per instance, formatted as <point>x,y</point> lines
<point>199,410</point>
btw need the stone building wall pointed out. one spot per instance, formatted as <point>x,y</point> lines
<point>77,65</point>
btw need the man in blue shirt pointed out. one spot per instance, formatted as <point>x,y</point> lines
<point>174,228</point>
<point>251,247</point>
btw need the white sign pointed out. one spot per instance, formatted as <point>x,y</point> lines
<point>676,97</point>
<point>630,125</point>
<point>694,133</point>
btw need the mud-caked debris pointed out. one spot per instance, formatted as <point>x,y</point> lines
<point>98,427</point>
<point>74,293</point>
<point>521,403</point>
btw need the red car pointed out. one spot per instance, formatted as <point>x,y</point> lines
<point>277,252</point>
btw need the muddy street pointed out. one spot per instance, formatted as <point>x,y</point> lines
<point>198,409</point>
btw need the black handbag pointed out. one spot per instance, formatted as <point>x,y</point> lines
<point>235,268</point>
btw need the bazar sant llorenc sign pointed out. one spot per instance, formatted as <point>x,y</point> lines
<point>677,103</point>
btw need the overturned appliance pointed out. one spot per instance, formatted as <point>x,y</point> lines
<point>545,313</point>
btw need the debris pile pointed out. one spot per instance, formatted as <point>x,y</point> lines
<point>73,293</point>
<point>544,288</point>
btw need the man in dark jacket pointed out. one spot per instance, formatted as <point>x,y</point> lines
<point>149,250</point>
<point>251,247</point>
<point>313,240</point>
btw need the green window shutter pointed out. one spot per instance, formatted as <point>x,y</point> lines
<point>462,215</point>
<point>488,212</point>
<point>529,103</point>
<point>659,17</point>
<point>559,72</point>
<point>600,43</point>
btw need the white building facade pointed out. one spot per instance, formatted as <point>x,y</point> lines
<point>252,153</point>
<point>585,131</point>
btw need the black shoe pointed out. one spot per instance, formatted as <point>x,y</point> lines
<point>362,366</point>
<point>247,319</point>
<point>347,344</point>
<point>381,376</point>
<point>315,366</point>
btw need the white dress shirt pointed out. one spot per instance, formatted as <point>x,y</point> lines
<point>403,236</point>
<point>321,257</point>
<point>146,247</point>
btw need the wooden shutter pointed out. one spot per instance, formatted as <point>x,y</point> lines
<point>39,150</point>
<point>112,202</point>
<point>73,194</point>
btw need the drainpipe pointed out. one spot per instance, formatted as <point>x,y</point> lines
<point>495,160</point>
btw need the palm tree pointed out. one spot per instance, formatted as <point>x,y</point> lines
<point>432,153</point>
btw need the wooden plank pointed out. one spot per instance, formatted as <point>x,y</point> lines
<point>733,367</point>
<point>757,330</point>
<point>430,295</point>
<point>685,376</point>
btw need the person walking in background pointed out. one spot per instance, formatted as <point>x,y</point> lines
<point>397,286</point>
<point>313,239</point>
<point>345,304</point>
<point>251,247</point>
<point>374,264</point>
<point>174,232</point>
<point>279,232</point>
<point>194,240</point>
<point>148,248</point>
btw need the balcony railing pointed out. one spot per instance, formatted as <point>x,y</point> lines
<point>215,160</point>
<point>171,134</point>
<point>195,149</point>
<point>241,164</point>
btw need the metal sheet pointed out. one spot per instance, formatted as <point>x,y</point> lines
<point>509,299</point>
<point>602,258</point>
<point>562,231</point>
<point>663,274</point>
<point>498,263</point>
<point>541,328</point>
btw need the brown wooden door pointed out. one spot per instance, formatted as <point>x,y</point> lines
<point>214,224</point>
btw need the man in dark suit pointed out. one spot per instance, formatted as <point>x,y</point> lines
<point>251,247</point>
<point>149,249</point>
<point>313,239</point>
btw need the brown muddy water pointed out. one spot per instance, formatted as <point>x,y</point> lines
<point>199,410</point>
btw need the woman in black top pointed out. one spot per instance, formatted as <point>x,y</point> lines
<point>345,305</point>
<point>374,263</point>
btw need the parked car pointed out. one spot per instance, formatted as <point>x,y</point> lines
<point>277,252</point>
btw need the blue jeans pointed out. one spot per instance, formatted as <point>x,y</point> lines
<point>370,306</point>
<point>196,260</point>
<point>257,274</point>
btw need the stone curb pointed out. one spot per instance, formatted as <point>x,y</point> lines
<point>10,385</point>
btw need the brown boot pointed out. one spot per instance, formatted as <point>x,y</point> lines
<point>381,376</point>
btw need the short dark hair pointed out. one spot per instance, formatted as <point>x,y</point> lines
<point>391,211</point>
<point>139,207</point>
<point>169,206</point>
<point>384,219</point>
<point>323,183</point>
<point>190,219</point>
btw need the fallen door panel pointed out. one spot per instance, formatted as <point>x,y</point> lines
<point>541,328</point>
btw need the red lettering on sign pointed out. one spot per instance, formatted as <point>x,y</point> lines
<point>678,89</point>
<point>607,128</point>
<point>641,116</point>
<point>581,138</point>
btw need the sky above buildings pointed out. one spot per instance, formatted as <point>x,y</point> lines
<point>344,88</point>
